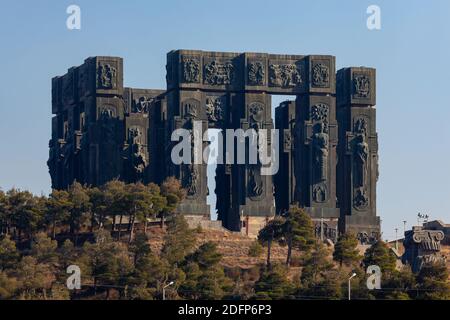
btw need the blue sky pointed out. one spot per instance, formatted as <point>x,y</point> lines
<point>411,53</point>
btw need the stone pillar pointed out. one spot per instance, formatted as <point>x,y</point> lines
<point>285,179</point>
<point>316,140</point>
<point>252,191</point>
<point>358,152</point>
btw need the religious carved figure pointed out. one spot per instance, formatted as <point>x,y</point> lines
<point>320,142</point>
<point>256,111</point>
<point>142,105</point>
<point>319,112</point>
<point>361,86</point>
<point>360,126</point>
<point>255,183</point>
<point>256,73</point>
<point>191,107</point>
<point>106,76</point>
<point>284,75</point>
<point>361,153</point>
<point>191,70</point>
<point>219,73</point>
<point>361,200</point>
<point>320,193</point>
<point>137,155</point>
<point>215,108</point>
<point>320,75</point>
<point>192,179</point>
<point>287,139</point>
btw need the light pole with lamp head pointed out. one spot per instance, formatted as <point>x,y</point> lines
<point>164,289</point>
<point>349,285</point>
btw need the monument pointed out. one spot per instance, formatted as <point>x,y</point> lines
<point>422,246</point>
<point>328,142</point>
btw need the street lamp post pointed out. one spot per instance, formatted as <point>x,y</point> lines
<point>164,289</point>
<point>349,285</point>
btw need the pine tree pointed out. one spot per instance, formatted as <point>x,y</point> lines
<point>43,248</point>
<point>79,208</point>
<point>58,209</point>
<point>433,282</point>
<point>8,286</point>
<point>9,256</point>
<point>272,231</point>
<point>172,190</point>
<point>346,251</point>
<point>381,255</point>
<point>273,284</point>
<point>298,231</point>
<point>178,241</point>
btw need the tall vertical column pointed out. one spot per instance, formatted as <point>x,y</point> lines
<point>315,145</point>
<point>252,191</point>
<point>358,152</point>
<point>285,179</point>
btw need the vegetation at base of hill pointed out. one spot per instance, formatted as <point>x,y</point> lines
<point>105,232</point>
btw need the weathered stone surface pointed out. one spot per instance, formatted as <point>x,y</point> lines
<point>422,246</point>
<point>102,131</point>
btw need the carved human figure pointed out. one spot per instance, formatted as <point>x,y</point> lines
<point>255,183</point>
<point>192,180</point>
<point>106,76</point>
<point>320,144</point>
<point>137,156</point>
<point>361,156</point>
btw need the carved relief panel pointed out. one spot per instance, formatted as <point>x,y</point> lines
<point>218,72</point>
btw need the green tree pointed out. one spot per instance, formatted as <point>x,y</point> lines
<point>433,282</point>
<point>205,277</point>
<point>108,262</point>
<point>115,202</point>
<point>158,203</point>
<point>140,248</point>
<point>172,190</point>
<point>99,207</point>
<point>25,211</point>
<point>36,278</point>
<point>8,286</point>
<point>58,209</point>
<point>255,249</point>
<point>43,248</point>
<point>9,256</point>
<point>4,213</point>
<point>381,255</point>
<point>346,251</point>
<point>315,265</point>
<point>398,285</point>
<point>273,284</point>
<point>272,231</point>
<point>298,231</point>
<point>79,209</point>
<point>178,241</point>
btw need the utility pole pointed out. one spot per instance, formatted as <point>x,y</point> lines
<point>404,227</point>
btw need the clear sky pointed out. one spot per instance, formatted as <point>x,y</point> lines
<point>411,53</point>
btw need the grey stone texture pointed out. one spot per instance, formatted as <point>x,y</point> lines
<point>328,142</point>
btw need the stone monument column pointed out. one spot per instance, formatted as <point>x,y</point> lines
<point>358,152</point>
<point>286,179</point>
<point>315,149</point>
